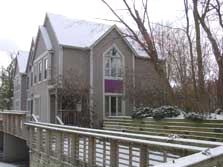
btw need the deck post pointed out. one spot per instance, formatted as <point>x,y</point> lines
<point>114,153</point>
<point>91,151</point>
<point>47,149</point>
<point>143,156</point>
<point>130,154</point>
<point>39,138</point>
<point>59,146</point>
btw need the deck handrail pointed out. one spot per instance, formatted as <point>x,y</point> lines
<point>195,159</point>
<point>127,134</point>
<point>139,141</point>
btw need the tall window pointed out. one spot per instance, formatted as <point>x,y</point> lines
<point>31,77</point>
<point>113,64</point>
<point>35,73</point>
<point>45,68</point>
<point>113,83</point>
<point>40,70</point>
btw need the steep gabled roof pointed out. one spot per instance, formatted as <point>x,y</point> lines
<point>78,33</point>
<point>46,37</point>
<point>22,59</point>
<point>84,34</point>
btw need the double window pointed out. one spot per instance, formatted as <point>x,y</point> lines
<point>40,71</point>
<point>113,105</point>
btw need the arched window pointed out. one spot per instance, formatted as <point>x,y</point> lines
<point>113,64</point>
<point>113,82</point>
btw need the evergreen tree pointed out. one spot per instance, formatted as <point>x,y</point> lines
<point>6,86</point>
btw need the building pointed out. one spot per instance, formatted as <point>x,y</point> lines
<point>98,55</point>
<point>19,100</point>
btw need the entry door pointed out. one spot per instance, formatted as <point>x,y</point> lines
<point>113,106</point>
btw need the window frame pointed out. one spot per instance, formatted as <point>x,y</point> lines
<point>40,70</point>
<point>123,102</point>
<point>45,68</point>
<point>109,58</point>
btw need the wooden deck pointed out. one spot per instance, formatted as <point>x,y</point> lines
<point>59,145</point>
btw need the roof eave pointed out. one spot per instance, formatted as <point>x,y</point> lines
<point>74,47</point>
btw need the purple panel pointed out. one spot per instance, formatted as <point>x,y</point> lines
<point>113,86</point>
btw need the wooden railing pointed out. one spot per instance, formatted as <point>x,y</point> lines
<point>60,145</point>
<point>208,158</point>
<point>211,130</point>
<point>75,147</point>
<point>13,123</point>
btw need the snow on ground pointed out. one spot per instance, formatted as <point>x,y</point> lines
<point>2,164</point>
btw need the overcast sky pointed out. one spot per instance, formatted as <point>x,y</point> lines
<point>19,19</point>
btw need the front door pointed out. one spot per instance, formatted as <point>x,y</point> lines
<point>113,106</point>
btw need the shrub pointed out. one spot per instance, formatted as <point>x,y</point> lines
<point>157,113</point>
<point>194,116</point>
<point>219,111</point>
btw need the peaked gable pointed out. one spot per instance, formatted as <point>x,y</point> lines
<point>21,61</point>
<point>85,34</point>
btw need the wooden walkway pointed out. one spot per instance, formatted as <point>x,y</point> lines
<point>59,145</point>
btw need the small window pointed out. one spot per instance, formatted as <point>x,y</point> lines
<point>27,82</point>
<point>40,71</point>
<point>35,73</point>
<point>45,68</point>
<point>31,78</point>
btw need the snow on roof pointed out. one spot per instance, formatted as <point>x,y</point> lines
<point>22,59</point>
<point>81,33</point>
<point>46,37</point>
<point>77,33</point>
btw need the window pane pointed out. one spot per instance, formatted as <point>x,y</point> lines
<point>118,68</point>
<point>113,105</point>
<point>113,67</point>
<point>107,67</point>
<point>45,68</point>
<point>119,105</point>
<point>40,71</point>
<point>106,106</point>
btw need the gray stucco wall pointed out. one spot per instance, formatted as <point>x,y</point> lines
<point>98,51</point>
<point>147,78</point>
<point>40,89</point>
<point>77,61</point>
<point>40,47</point>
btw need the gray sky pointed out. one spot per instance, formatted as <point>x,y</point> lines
<point>19,19</point>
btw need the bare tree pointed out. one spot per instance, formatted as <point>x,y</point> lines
<point>144,34</point>
<point>213,8</point>
<point>186,8</point>
<point>73,99</point>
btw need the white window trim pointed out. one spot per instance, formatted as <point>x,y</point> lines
<point>38,77</point>
<point>34,105</point>
<point>104,77</point>
<point>44,59</point>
